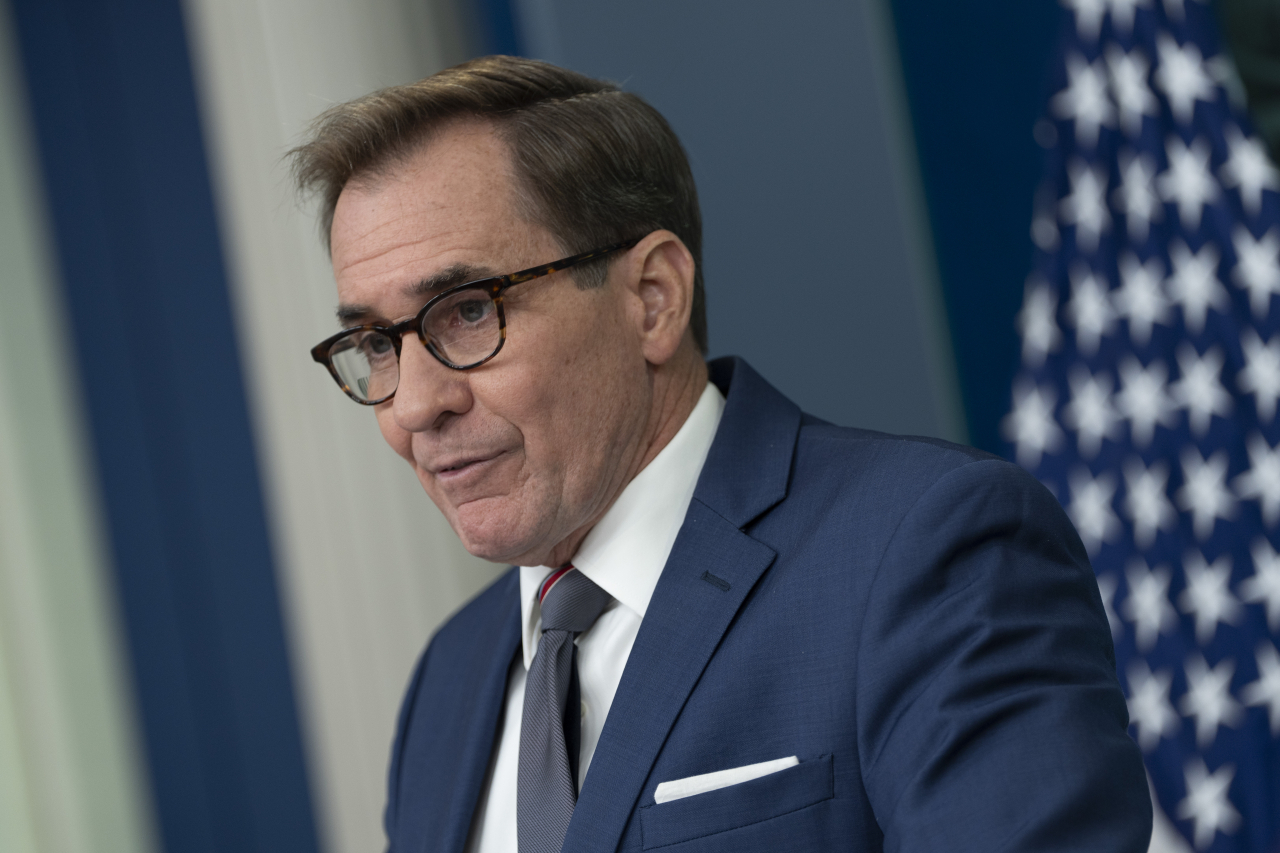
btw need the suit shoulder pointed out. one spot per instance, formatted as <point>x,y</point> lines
<point>911,456</point>
<point>877,477</point>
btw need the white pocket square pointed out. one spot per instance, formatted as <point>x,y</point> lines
<point>680,788</point>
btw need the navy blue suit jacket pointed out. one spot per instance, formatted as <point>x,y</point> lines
<point>915,620</point>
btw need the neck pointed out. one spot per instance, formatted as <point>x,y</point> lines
<point>675,395</point>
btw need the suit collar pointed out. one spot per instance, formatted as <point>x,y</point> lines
<point>712,568</point>
<point>749,465</point>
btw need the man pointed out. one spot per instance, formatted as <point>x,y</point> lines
<point>733,626</point>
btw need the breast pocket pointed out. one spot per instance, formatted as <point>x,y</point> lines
<point>806,784</point>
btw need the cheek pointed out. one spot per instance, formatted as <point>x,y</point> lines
<point>594,396</point>
<point>399,439</point>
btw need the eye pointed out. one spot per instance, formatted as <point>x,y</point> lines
<point>376,347</point>
<point>473,310</point>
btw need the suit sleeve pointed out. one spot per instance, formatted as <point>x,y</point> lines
<point>988,710</point>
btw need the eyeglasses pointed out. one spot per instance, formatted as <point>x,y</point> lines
<point>463,328</point>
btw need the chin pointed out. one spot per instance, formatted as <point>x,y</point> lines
<point>491,536</point>
<point>485,549</point>
<point>504,553</point>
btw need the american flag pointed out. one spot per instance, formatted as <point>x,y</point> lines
<point>1147,395</point>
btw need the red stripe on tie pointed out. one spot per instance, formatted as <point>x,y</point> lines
<point>551,581</point>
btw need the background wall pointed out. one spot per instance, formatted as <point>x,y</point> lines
<point>818,261</point>
<point>147,324</point>
<point>71,778</point>
<point>976,77</point>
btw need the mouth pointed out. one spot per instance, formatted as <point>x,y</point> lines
<point>456,467</point>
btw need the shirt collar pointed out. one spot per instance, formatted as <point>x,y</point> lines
<point>625,552</point>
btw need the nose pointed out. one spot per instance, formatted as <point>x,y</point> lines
<point>428,392</point>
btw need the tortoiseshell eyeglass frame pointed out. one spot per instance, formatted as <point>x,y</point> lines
<point>495,287</point>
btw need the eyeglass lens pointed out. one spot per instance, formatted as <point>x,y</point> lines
<point>462,329</point>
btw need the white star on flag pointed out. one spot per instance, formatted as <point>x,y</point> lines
<point>1122,12</point>
<point>1136,195</point>
<point>1107,585</point>
<point>1085,100</point>
<point>1149,708</point>
<point>1044,219</point>
<point>1206,802</point>
<point>1257,268</point>
<point>1141,299</point>
<point>1261,374</point>
<point>1261,482</point>
<point>1248,169</point>
<point>1266,690</point>
<point>1225,77</point>
<point>1204,492</point>
<point>1089,14</point>
<point>1264,586</point>
<point>1145,502</point>
<point>1208,698</point>
<point>1089,310</point>
<point>1194,284</point>
<point>1200,389</point>
<point>1090,508</point>
<point>1188,181</point>
<point>1086,207</point>
<point>1044,230</point>
<point>1182,76</point>
<point>1207,596</point>
<point>1129,85</point>
<point>1090,412</point>
<point>1147,605</point>
<point>1030,425</point>
<point>1036,323</point>
<point>1176,9</point>
<point>1143,399</point>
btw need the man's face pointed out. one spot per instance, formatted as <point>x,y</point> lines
<point>528,450</point>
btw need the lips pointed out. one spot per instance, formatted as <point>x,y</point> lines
<point>462,463</point>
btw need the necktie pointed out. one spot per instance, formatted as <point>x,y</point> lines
<point>546,783</point>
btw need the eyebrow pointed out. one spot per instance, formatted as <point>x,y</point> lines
<point>357,314</point>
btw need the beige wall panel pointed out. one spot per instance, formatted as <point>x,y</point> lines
<point>368,566</point>
<point>17,821</point>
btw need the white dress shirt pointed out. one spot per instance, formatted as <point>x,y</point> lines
<point>624,554</point>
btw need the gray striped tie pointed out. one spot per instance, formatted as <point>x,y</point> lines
<point>546,789</point>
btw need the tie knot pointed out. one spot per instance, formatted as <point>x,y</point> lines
<point>570,601</point>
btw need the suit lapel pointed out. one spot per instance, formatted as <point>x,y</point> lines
<point>712,568</point>
<point>687,616</point>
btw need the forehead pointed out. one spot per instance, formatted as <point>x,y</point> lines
<point>451,203</point>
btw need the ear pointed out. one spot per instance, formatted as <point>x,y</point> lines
<point>661,280</point>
